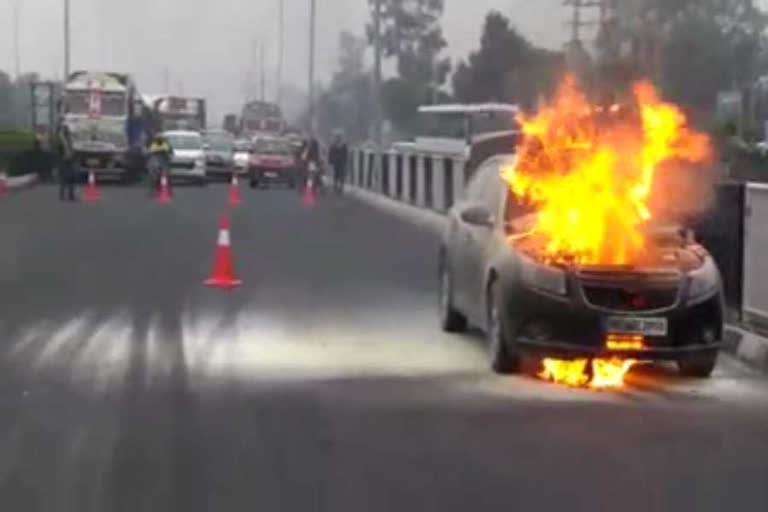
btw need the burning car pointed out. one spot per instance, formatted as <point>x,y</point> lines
<point>559,250</point>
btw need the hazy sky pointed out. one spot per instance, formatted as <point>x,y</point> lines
<point>208,47</point>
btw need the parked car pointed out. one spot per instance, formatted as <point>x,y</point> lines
<point>188,159</point>
<point>219,153</point>
<point>670,310</point>
<point>273,161</point>
<point>242,155</point>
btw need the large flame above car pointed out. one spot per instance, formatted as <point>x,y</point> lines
<point>589,172</point>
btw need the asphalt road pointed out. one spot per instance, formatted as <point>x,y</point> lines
<point>323,384</point>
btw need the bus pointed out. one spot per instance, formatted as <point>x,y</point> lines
<point>261,118</point>
<point>453,128</point>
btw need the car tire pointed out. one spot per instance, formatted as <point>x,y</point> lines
<point>502,357</point>
<point>699,367</point>
<point>450,319</point>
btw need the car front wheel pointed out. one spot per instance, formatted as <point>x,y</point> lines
<point>450,319</point>
<point>700,366</point>
<point>502,358</point>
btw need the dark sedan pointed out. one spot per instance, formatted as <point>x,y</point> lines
<point>668,312</point>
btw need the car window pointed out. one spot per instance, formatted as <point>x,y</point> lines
<point>486,187</point>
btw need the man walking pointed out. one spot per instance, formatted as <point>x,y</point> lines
<point>66,164</point>
<point>337,156</point>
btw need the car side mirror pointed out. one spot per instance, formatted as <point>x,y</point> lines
<point>477,216</point>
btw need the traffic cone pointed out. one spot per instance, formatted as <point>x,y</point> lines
<point>3,184</point>
<point>164,195</point>
<point>91,192</point>
<point>234,191</point>
<point>222,275</point>
<point>309,193</point>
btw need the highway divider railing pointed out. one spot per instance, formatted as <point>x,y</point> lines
<point>429,180</point>
<point>734,228</point>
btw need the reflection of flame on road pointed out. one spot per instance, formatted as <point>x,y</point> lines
<point>589,172</point>
<point>595,373</point>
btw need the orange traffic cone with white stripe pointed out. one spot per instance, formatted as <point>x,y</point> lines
<point>164,195</point>
<point>234,191</point>
<point>223,275</point>
<point>91,192</point>
<point>309,193</point>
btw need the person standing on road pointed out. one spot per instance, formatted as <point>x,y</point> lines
<point>159,161</point>
<point>311,159</point>
<point>66,164</point>
<point>337,156</point>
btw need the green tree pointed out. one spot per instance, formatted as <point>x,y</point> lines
<point>506,67</point>
<point>411,34</point>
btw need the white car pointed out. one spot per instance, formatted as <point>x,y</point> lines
<point>243,150</point>
<point>188,160</point>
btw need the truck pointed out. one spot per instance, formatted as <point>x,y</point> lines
<point>261,118</point>
<point>230,124</point>
<point>170,112</point>
<point>105,117</point>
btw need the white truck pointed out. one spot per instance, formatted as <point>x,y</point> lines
<point>106,120</point>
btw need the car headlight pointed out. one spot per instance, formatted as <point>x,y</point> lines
<point>704,281</point>
<point>543,277</point>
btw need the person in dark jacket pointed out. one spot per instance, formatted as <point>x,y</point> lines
<point>66,164</point>
<point>337,156</point>
<point>311,161</point>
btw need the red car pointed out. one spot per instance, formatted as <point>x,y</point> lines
<point>273,161</point>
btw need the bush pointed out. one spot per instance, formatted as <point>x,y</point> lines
<point>15,146</point>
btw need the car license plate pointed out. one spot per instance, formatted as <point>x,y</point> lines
<point>270,174</point>
<point>92,162</point>
<point>649,326</point>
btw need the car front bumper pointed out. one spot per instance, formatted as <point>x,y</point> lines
<point>569,327</point>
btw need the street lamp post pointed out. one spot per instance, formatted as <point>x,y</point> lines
<point>66,39</point>
<point>16,48</point>
<point>311,84</point>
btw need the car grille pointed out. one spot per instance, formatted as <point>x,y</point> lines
<point>626,298</point>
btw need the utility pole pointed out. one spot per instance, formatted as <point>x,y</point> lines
<point>262,77</point>
<point>377,110</point>
<point>311,84</point>
<point>16,48</point>
<point>66,40</point>
<point>280,54</point>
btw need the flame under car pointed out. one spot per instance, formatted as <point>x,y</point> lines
<point>669,306</point>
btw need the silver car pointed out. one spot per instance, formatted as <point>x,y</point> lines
<point>188,159</point>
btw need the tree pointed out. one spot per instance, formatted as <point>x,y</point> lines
<point>411,33</point>
<point>506,67</point>
<point>345,103</point>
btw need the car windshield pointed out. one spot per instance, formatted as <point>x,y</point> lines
<point>220,144</point>
<point>185,142</point>
<point>242,146</point>
<point>273,146</point>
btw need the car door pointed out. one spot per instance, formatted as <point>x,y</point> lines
<point>480,240</point>
<point>460,236</point>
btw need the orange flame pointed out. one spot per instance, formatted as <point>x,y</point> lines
<point>605,373</point>
<point>589,172</point>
